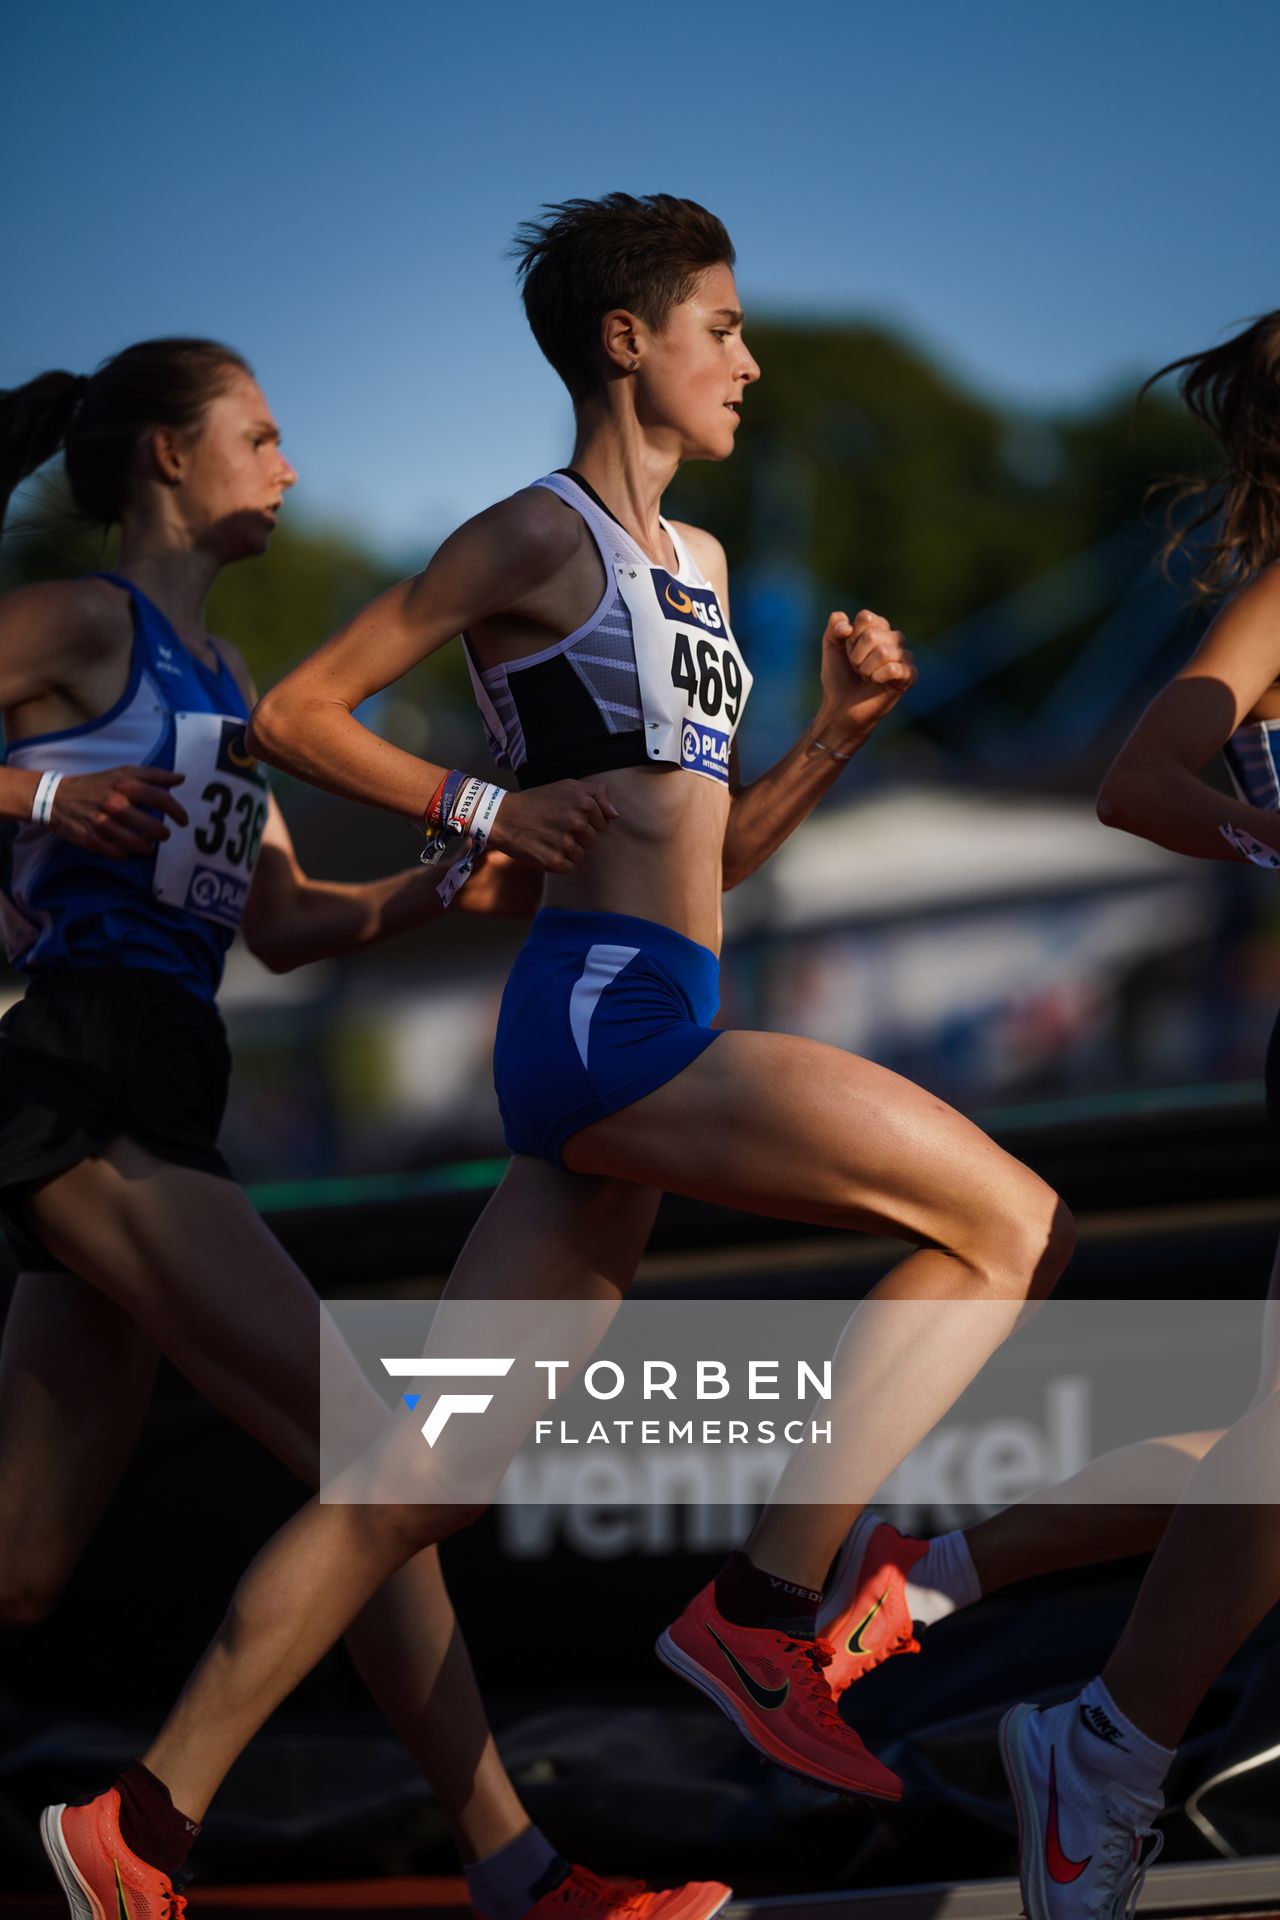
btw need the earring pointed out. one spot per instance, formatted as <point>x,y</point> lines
<point>633,366</point>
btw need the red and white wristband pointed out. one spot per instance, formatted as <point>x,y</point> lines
<point>42,804</point>
<point>458,823</point>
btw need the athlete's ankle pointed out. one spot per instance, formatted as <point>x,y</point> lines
<point>1106,1744</point>
<point>506,1883</point>
<point>150,1825</point>
<point>943,1580</point>
<point>750,1597</point>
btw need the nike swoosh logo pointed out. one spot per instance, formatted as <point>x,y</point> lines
<point>770,1698</point>
<point>1061,1870</point>
<point>122,1905</point>
<point>854,1643</point>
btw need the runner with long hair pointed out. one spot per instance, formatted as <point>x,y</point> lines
<point>1087,1776</point>
<point>605,666</point>
<point>144,835</point>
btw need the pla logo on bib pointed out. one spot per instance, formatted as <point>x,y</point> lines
<point>704,749</point>
<point>679,602</point>
<point>217,896</point>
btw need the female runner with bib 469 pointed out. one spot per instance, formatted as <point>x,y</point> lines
<point>608,677</point>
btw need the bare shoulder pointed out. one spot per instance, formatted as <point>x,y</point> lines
<point>237,665</point>
<point>708,553</point>
<point>1245,633</point>
<point>1260,600</point>
<point>67,616</point>
<point>530,536</point>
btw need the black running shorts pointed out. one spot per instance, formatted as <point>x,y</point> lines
<point>92,1053</point>
<point>1272,1077</point>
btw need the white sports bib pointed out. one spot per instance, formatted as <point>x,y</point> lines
<point>205,867</point>
<point>694,681</point>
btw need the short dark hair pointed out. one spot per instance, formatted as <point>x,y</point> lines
<point>98,420</point>
<point>588,256</point>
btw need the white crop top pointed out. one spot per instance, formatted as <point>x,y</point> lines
<point>655,675</point>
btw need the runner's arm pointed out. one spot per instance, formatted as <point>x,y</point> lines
<point>1154,788</point>
<point>49,632</point>
<point>307,726</point>
<point>291,919</point>
<point>769,810</point>
<point>866,668</point>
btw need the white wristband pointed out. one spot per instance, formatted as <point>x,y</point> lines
<point>475,811</point>
<point>1253,850</point>
<point>470,813</point>
<point>42,805</point>
<point>480,810</point>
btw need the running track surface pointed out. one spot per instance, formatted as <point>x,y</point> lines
<point>353,1899</point>
<point>1171,1892</point>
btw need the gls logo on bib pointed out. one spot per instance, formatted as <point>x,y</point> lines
<point>704,749</point>
<point>234,757</point>
<point>679,602</point>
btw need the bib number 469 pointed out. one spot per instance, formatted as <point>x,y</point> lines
<point>715,681</point>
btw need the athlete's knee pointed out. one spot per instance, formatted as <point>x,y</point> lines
<point>28,1594</point>
<point>403,1530</point>
<point>1052,1243</point>
<point>458,1519</point>
<point>1024,1247</point>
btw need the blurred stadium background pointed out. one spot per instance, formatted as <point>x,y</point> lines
<point>955,910</point>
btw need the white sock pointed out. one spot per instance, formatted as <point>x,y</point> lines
<point>1106,1744</point>
<point>942,1580</point>
<point>504,1885</point>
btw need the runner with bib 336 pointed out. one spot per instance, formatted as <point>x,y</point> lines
<point>142,836</point>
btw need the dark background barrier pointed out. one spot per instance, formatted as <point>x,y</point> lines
<point>620,1762</point>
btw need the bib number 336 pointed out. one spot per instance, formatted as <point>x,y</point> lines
<point>205,868</point>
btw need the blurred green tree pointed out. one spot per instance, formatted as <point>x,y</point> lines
<point>865,473</point>
<point>891,485</point>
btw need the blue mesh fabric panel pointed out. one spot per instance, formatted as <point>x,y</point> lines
<point>605,661</point>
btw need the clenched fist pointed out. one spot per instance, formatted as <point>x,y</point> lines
<point>866,669</point>
<point>552,827</point>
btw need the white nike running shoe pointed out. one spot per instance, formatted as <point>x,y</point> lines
<point>1082,1852</point>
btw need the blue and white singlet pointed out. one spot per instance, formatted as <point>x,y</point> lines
<point>603,1008</point>
<point>1251,757</point>
<point>175,911</point>
<point>655,676</point>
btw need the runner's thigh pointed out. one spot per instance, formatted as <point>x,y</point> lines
<point>803,1131</point>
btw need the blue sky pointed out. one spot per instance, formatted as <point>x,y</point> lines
<point>1053,200</point>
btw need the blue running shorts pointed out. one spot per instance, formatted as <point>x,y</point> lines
<point>600,1009</point>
